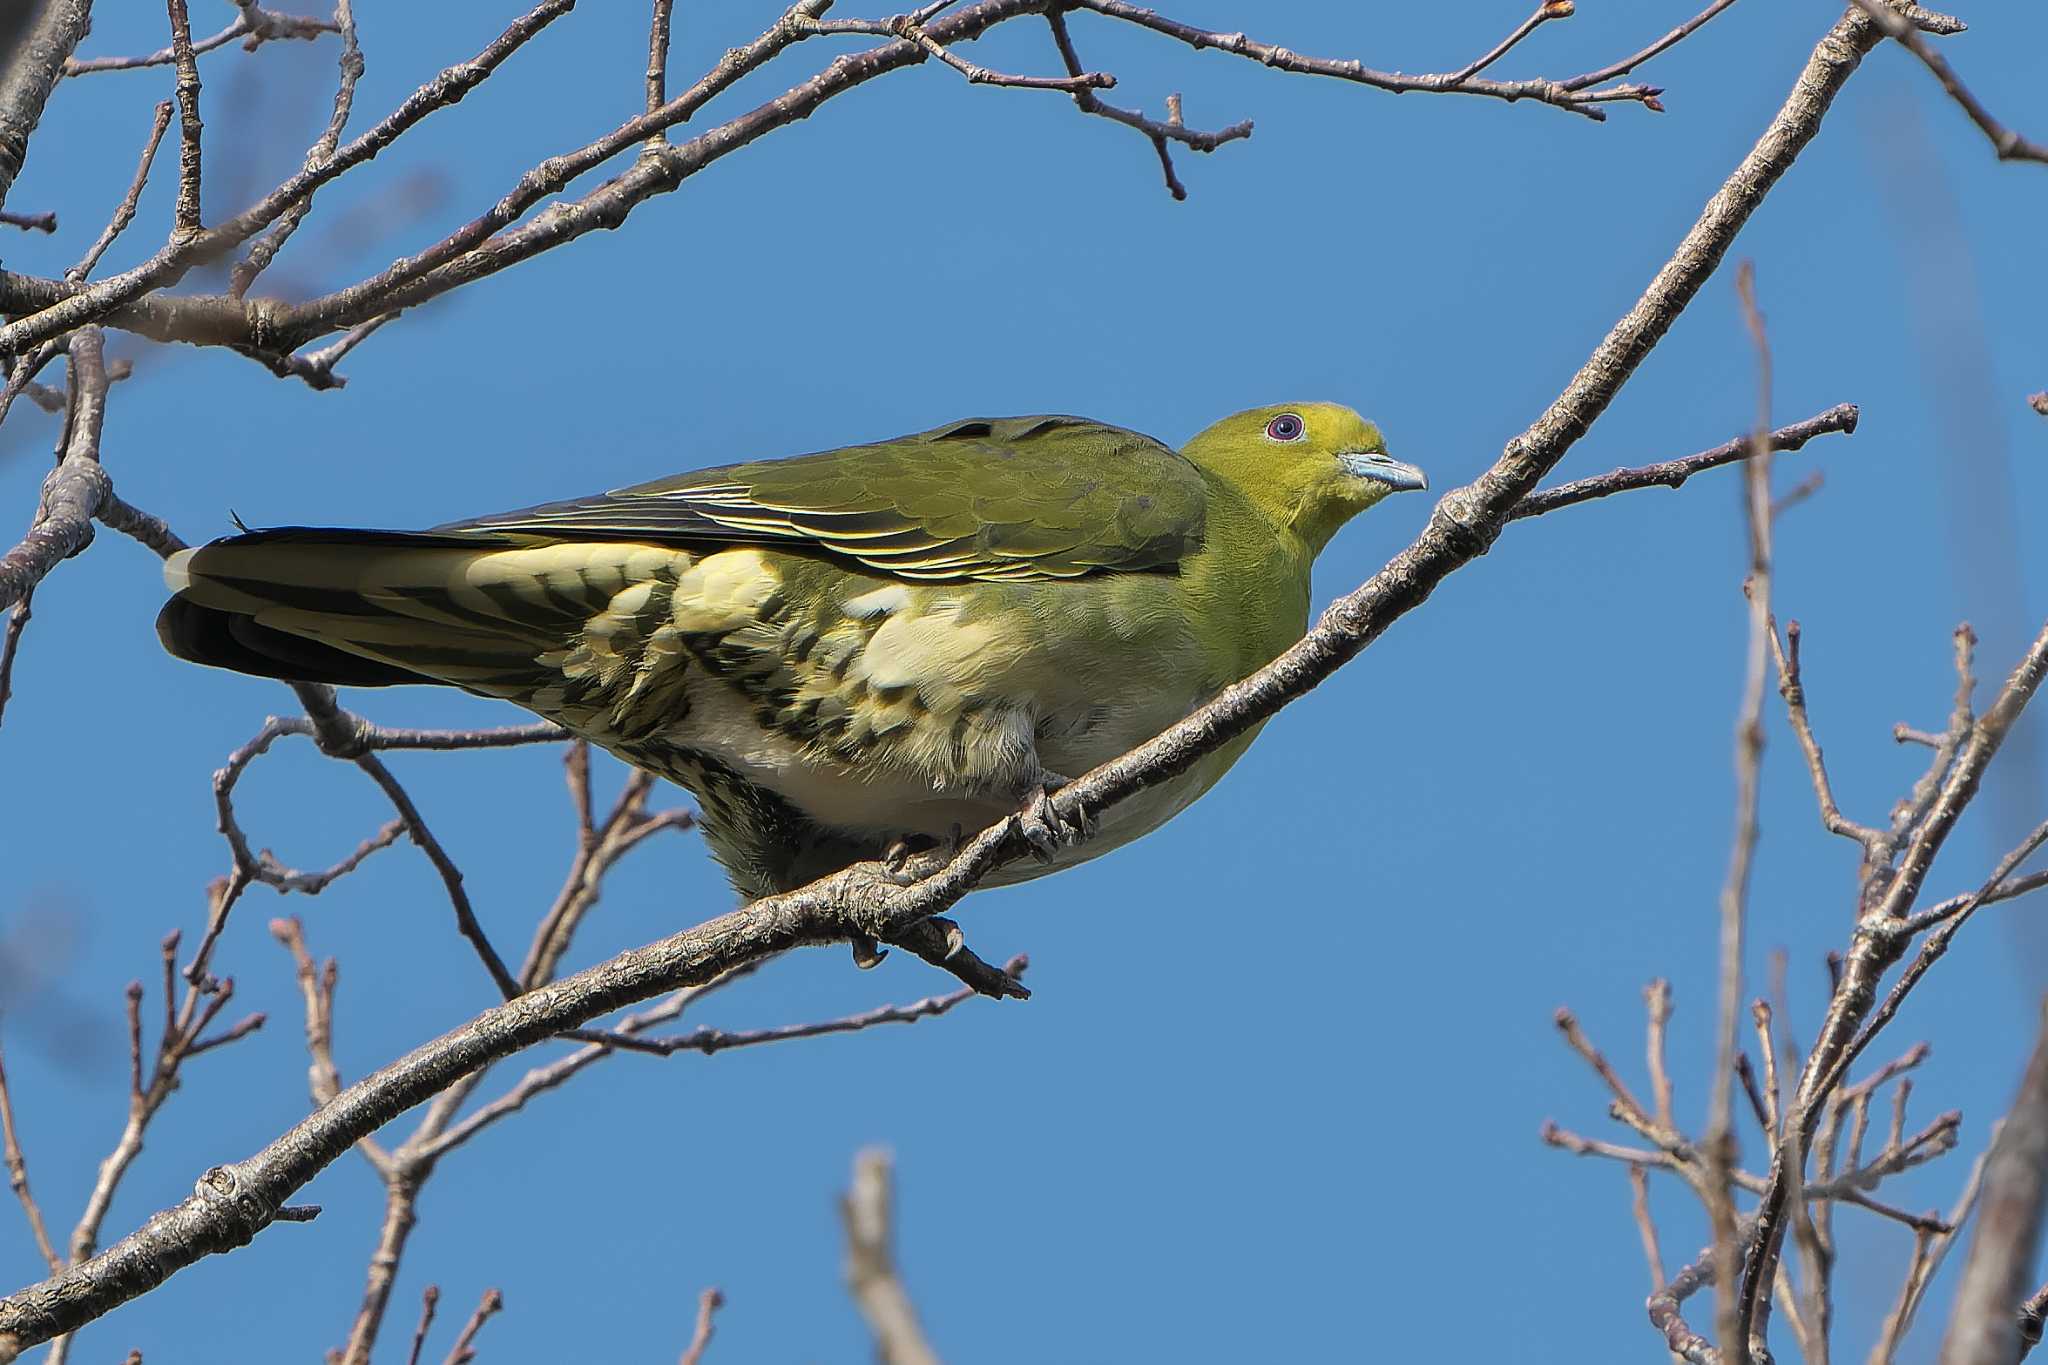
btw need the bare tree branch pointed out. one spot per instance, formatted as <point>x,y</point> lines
<point>1673,473</point>
<point>1666,1307</point>
<point>429,1300</point>
<point>1881,938</point>
<point>252,21</point>
<point>463,1351</point>
<point>1160,134</point>
<point>40,37</point>
<point>868,1211</point>
<point>269,329</point>
<point>73,491</point>
<point>189,126</point>
<point>1984,1328</point>
<point>1749,749</point>
<point>1572,95</point>
<point>17,1177</point>
<point>710,1301</point>
<point>63,308</point>
<point>270,243</point>
<point>2009,145</point>
<point>124,213</point>
<point>2032,1314</point>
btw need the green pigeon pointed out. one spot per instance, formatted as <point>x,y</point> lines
<point>849,654</point>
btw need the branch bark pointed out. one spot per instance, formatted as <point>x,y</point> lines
<point>268,328</point>
<point>38,43</point>
<point>1881,938</point>
<point>868,1211</point>
<point>73,492</point>
<point>1985,1327</point>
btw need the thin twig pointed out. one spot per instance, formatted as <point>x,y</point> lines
<point>1719,1143</point>
<point>2009,145</point>
<point>1760,1012</point>
<point>270,243</point>
<point>1639,1189</point>
<point>906,27</point>
<point>1544,13</point>
<point>67,309</point>
<point>1880,942</point>
<point>1632,1111</point>
<point>124,213</point>
<point>256,24</point>
<point>708,1303</point>
<point>1921,1272</point>
<point>316,367</point>
<point>1673,473</point>
<point>17,1177</point>
<point>707,1041</point>
<point>1576,99</point>
<point>430,1299</point>
<point>45,309</point>
<point>1876,843</point>
<point>1161,135</point>
<point>462,1352</point>
<point>1657,1002</point>
<point>10,646</point>
<point>316,988</point>
<point>1636,59</point>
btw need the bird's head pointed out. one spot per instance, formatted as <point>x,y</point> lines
<point>1310,467</point>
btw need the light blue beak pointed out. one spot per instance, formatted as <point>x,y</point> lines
<point>1365,464</point>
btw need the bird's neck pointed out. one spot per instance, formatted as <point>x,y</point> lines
<point>1250,581</point>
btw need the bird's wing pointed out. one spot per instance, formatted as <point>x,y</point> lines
<point>990,499</point>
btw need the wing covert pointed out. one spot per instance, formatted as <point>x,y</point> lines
<point>988,498</point>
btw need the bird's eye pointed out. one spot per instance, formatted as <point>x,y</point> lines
<point>1285,427</point>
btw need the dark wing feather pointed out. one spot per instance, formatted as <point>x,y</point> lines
<point>990,498</point>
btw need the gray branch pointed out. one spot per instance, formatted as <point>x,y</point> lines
<point>868,1211</point>
<point>1984,1328</point>
<point>74,490</point>
<point>36,40</point>
<point>269,328</point>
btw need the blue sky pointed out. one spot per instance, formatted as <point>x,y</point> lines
<point>1278,1093</point>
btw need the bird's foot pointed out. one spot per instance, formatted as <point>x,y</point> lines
<point>1048,827</point>
<point>868,952</point>
<point>896,857</point>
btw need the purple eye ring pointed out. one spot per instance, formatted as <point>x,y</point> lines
<point>1286,427</point>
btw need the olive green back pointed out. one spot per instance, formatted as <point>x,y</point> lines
<point>988,498</point>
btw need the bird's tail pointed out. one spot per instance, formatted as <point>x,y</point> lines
<point>373,608</point>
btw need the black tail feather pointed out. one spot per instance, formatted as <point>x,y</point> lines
<point>227,639</point>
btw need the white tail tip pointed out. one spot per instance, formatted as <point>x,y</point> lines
<point>177,573</point>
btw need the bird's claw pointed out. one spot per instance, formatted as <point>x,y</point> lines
<point>867,952</point>
<point>896,857</point>
<point>1046,827</point>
